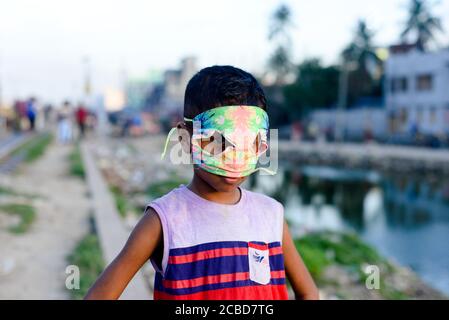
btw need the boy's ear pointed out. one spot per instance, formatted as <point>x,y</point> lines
<point>184,136</point>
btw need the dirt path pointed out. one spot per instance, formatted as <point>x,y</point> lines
<point>34,262</point>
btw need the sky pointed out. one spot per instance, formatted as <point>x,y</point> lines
<point>43,43</point>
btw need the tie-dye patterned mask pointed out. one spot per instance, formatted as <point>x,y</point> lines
<point>228,140</point>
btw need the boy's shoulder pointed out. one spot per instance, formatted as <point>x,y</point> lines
<point>263,199</point>
<point>168,198</point>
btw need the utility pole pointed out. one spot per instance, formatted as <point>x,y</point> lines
<point>87,88</point>
<point>342,99</point>
<point>1,80</point>
<point>346,67</point>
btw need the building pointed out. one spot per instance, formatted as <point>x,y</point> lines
<point>168,99</point>
<point>417,91</point>
<point>138,90</point>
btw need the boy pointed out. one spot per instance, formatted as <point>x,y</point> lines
<point>212,239</point>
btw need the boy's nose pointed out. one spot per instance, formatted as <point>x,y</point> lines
<point>238,157</point>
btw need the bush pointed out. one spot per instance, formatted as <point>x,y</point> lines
<point>88,257</point>
<point>76,163</point>
<point>161,188</point>
<point>26,212</point>
<point>35,147</point>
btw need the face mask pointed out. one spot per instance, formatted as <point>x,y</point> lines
<point>228,141</point>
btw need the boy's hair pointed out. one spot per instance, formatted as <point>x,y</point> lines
<point>218,86</point>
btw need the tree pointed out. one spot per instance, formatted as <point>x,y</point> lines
<point>361,50</point>
<point>280,60</point>
<point>361,63</point>
<point>422,24</point>
<point>315,87</point>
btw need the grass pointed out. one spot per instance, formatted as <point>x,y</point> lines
<point>88,257</point>
<point>122,203</point>
<point>323,249</point>
<point>158,189</point>
<point>76,163</point>
<point>7,191</point>
<point>154,190</point>
<point>26,213</point>
<point>34,148</point>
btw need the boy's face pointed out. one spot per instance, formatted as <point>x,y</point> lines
<point>217,145</point>
<point>225,143</point>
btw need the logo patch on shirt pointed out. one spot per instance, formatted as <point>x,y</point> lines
<point>259,264</point>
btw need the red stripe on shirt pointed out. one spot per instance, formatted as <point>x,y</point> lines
<point>276,250</point>
<point>219,278</point>
<point>208,254</point>
<point>257,292</point>
<point>217,253</point>
<point>258,246</point>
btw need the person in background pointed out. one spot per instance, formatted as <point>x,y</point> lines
<point>81,117</point>
<point>16,117</point>
<point>31,113</point>
<point>48,110</point>
<point>64,124</point>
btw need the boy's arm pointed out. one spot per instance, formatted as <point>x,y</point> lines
<point>140,246</point>
<point>297,273</point>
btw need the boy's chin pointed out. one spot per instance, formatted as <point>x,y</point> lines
<point>226,184</point>
<point>221,183</point>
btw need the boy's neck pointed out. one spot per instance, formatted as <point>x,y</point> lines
<point>204,190</point>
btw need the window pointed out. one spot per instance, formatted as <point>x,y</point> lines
<point>398,84</point>
<point>424,82</point>
<point>392,85</point>
<point>403,84</point>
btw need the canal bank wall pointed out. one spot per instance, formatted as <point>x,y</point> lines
<point>366,156</point>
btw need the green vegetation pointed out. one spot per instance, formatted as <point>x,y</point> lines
<point>88,257</point>
<point>76,163</point>
<point>122,202</point>
<point>319,250</point>
<point>323,249</point>
<point>158,189</point>
<point>26,213</point>
<point>35,147</point>
<point>7,191</point>
<point>317,87</point>
<point>422,24</point>
<point>280,61</point>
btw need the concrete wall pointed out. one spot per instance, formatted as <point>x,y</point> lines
<point>355,122</point>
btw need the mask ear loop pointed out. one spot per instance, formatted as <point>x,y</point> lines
<point>270,172</point>
<point>170,133</point>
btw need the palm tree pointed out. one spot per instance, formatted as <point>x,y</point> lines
<point>280,60</point>
<point>359,60</point>
<point>361,50</point>
<point>280,24</point>
<point>422,23</point>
